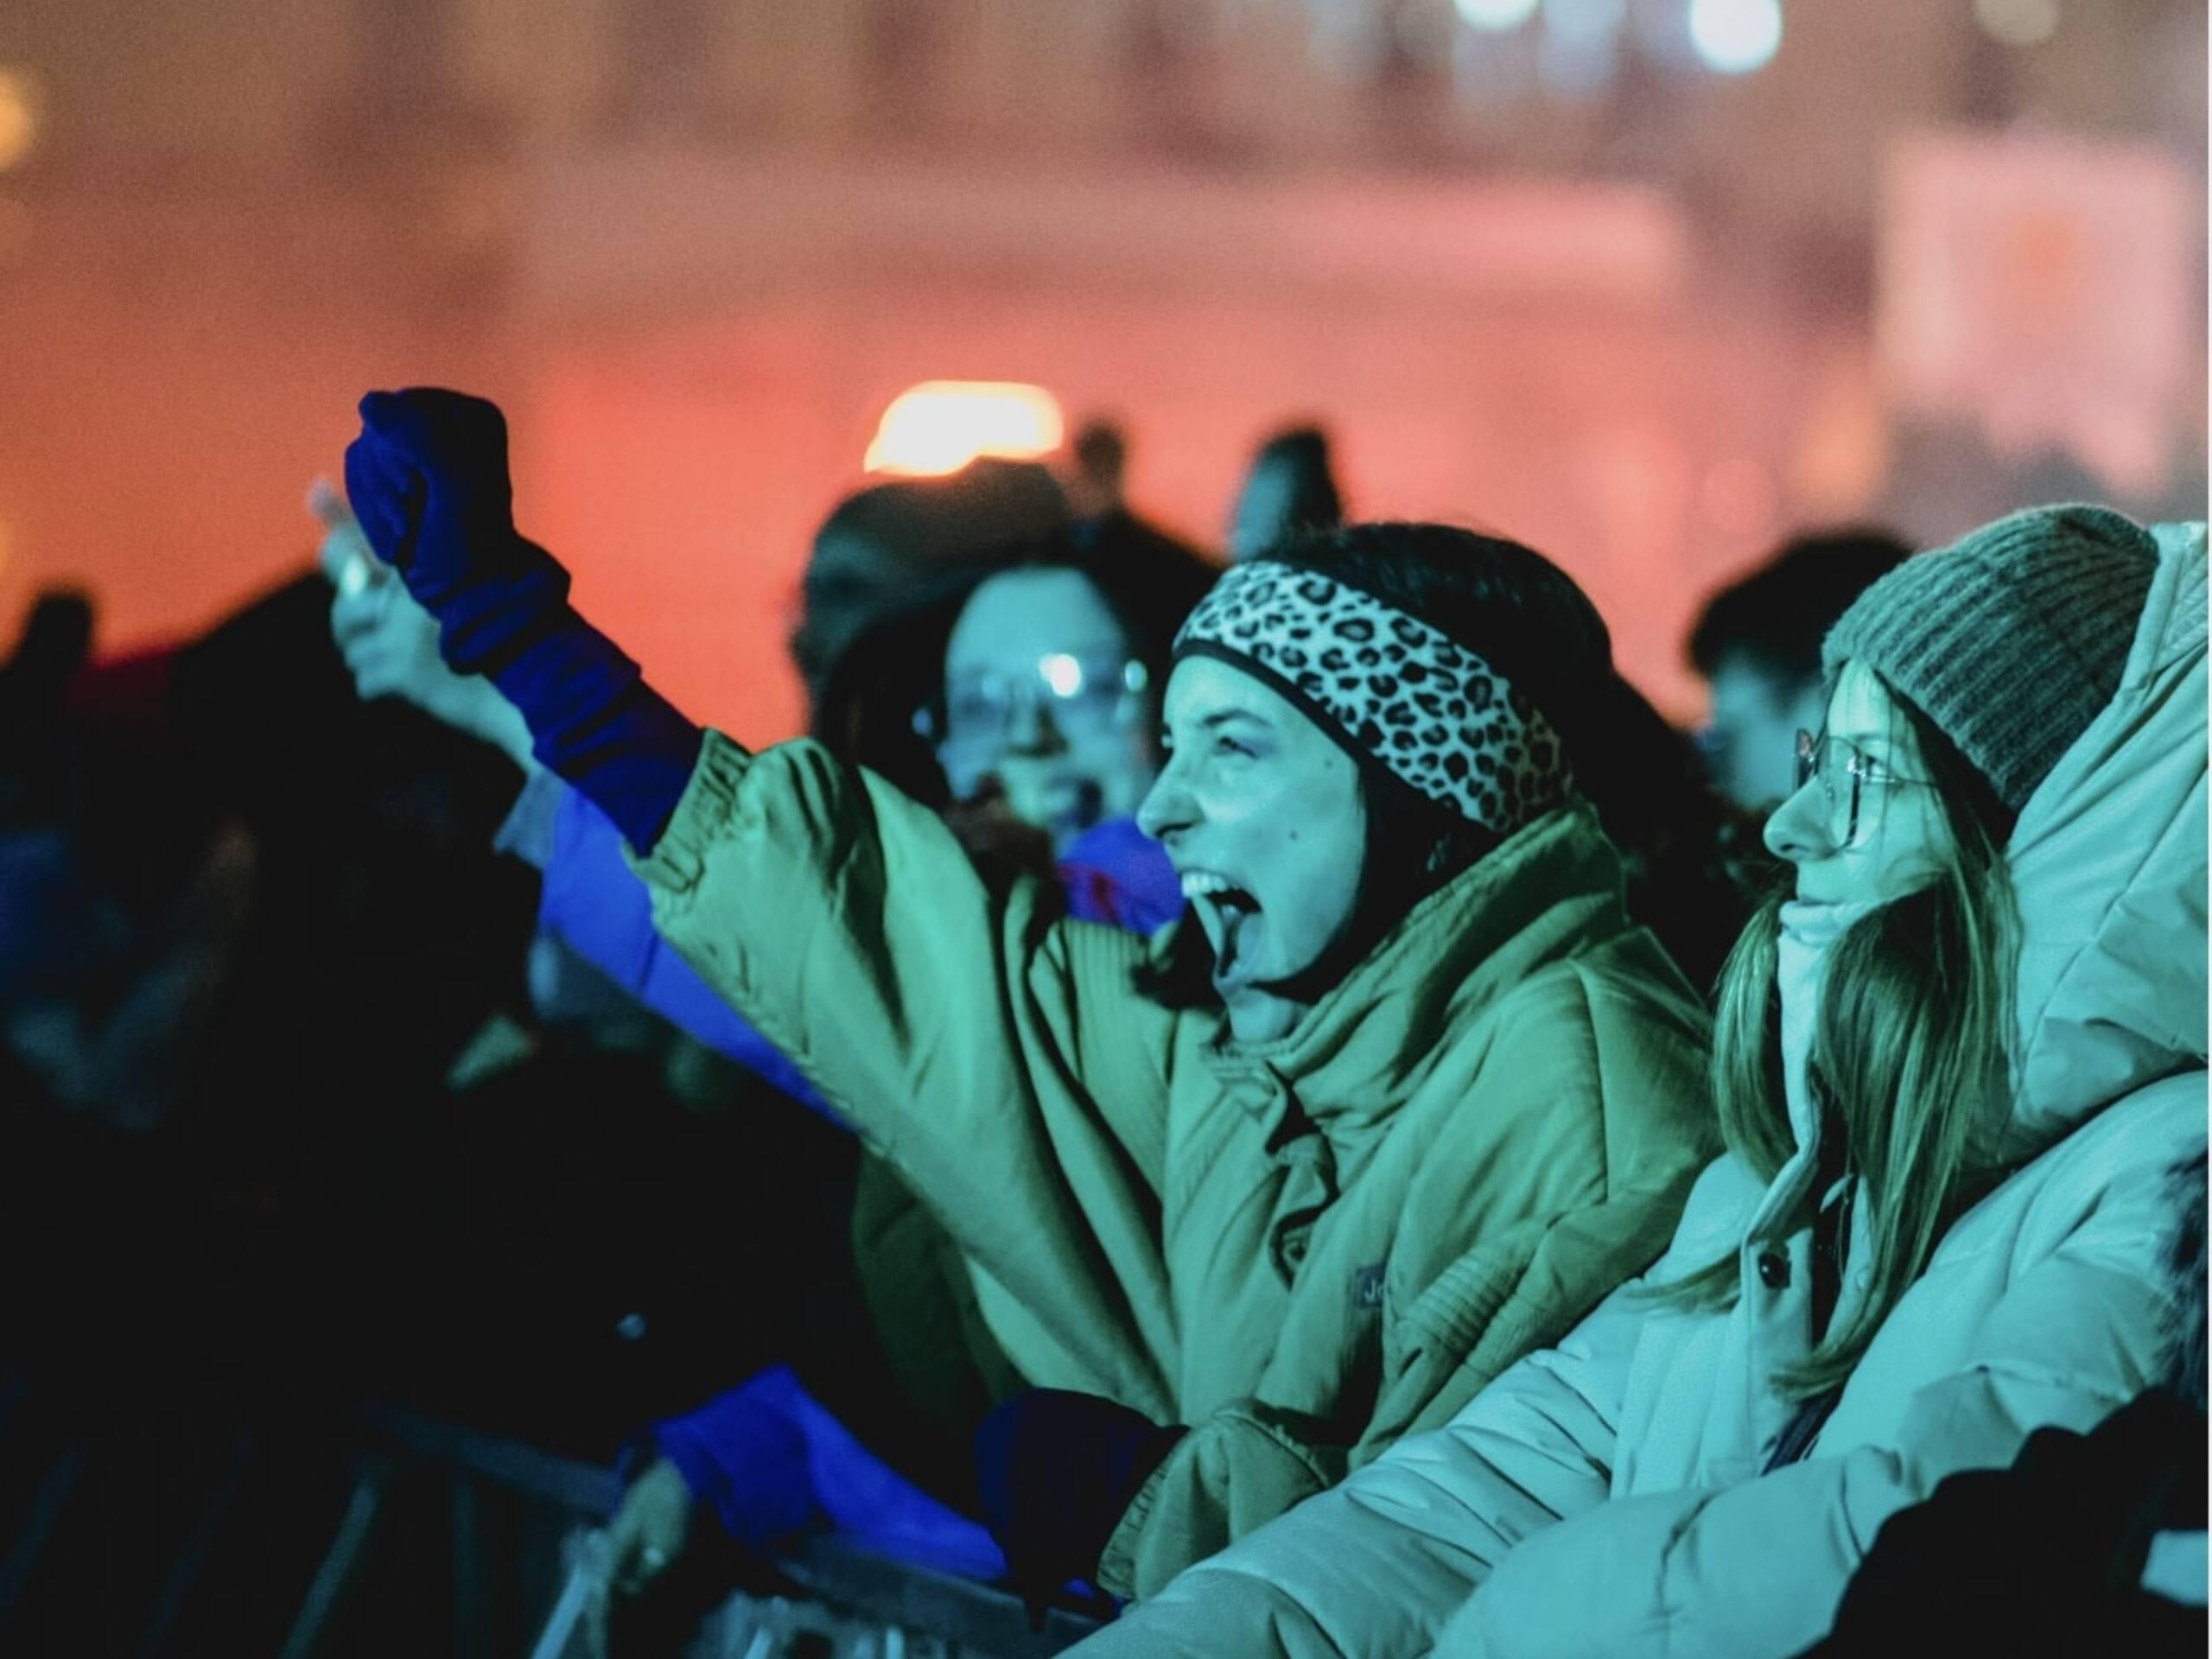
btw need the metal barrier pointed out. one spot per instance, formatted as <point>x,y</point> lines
<point>519,1521</point>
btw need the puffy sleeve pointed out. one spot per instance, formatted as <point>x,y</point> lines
<point>998,1054</point>
<point>1761,1567</point>
<point>593,903</point>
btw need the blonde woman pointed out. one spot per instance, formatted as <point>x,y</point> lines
<point>1952,1070</point>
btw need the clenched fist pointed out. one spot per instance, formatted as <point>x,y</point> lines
<point>428,484</point>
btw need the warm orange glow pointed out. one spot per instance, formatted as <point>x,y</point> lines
<point>18,117</point>
<point>940,426</point>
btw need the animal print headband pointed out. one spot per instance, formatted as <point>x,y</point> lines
<point>1388,688</point>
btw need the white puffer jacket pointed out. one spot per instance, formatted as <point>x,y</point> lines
<point>1605,1497</point>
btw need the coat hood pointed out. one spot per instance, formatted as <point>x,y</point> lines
<point>2108,863</point>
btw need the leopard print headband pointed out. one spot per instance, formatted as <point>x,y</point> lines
<point>1388,688</point>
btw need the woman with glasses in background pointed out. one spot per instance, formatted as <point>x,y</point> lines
<point>1047,730</point>
<point>1953,1068</point>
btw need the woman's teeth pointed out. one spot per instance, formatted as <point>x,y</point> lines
<point>1203,884</point>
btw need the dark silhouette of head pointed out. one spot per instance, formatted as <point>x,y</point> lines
<point>1290,488</point>
<point>1758,645</point>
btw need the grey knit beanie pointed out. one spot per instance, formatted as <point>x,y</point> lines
<point>2012,639</point>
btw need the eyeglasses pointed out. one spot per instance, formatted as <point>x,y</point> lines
<point>1083,697</point>
<point>1844,772</point>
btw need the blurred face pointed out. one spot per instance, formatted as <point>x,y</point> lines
<point>1262,510</point>
<point>1751,738</point>
<point>1263,816</point>
<point>1043,693</point>
<point>1866,827</point>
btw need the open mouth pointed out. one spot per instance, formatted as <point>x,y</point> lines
<point>1230,908</point>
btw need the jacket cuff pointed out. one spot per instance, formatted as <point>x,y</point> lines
<point>1117,1563</point>
<point>1244,1466</point>
<point>705,813</point>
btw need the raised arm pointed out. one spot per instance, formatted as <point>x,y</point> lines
<point>389,643</point>
<point>595,904</point>
<point>591,898</point>
<point>428,480</point>
<point>1003,1062</point>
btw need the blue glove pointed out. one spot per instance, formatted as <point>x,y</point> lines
<point>1054,1471</point>
<point>428,480</point>
<point>745,1455</point>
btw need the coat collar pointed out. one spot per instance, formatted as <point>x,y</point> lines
<point>1551,889</point>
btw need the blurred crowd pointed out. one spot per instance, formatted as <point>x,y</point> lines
<point>1267,1099</point>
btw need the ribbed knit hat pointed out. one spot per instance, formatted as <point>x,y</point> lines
<point>2012,639</point>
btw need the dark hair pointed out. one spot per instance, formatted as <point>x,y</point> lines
<point>1778,615</point>
<point>864,711</point>
<point>886,549</point>
<point>1529,619</point>
<point>1150,580</point>
<point>1315,501</point>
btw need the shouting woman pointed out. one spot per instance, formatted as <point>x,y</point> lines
<point>1404,1095</point>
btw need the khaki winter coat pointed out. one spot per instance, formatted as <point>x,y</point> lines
<point>1605,1497</point>
<point>1304,1248</point>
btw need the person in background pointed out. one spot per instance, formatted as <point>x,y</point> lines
<point>55,643</point>
<point>214,1108</point>
<point>1158,576</point>
<point>1097,469</point>
<point>1953,1072</point>
<point>1756,644</point>
<point>120,919</point>
<point>1044,726</point>
<point>51,916</point>
<point>1680,845</point>
<point>1290,487</point>
<point>1405,1090</point>
<point>895,544</point>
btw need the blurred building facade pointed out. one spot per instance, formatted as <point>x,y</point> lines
<point>1543,265</point>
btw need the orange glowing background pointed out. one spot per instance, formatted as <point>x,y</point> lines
<point>1649,331</point>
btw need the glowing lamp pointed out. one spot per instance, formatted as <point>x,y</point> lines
<point>1735,36</point>
<point>1496,15</point>
<point>940,426</point>
<point>18,117</point>
<point>2018,22</point>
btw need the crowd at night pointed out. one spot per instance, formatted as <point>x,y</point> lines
<point>1341,1070</point>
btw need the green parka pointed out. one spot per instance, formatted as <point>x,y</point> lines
<point>1303,1249</point>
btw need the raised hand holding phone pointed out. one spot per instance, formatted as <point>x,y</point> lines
<point>428,480</point>
<point>346,557</point>
<point>389,643</point>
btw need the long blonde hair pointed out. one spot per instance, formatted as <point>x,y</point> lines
<point>1912,1051</point>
